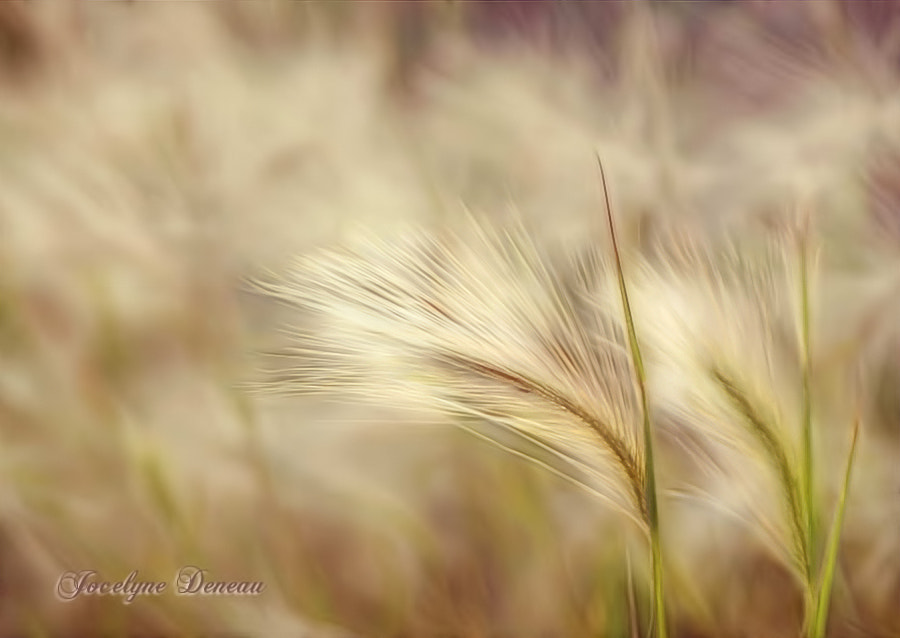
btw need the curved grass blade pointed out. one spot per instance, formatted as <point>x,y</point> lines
<point>823,595</point>
<point>807,480</point>
<point>649,470</point>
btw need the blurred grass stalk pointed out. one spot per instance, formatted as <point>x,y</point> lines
<point>649,470</point>
<point>809,517</point>
<point>823,594</point>
<point>818,595</point>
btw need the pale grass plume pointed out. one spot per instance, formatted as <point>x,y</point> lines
<point>741,336</point>
<point>725,364</point>
<point>482,326</point>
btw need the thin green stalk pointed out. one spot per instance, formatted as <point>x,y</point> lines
<point>823,595</point>
<point>807,460</point>
<point>649,472</point>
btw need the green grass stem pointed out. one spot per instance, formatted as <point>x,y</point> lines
<point>649,470</point>
<point>826,579</point>
<point>806,416</point>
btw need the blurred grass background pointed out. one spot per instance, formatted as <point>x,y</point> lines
<point>154,156</point>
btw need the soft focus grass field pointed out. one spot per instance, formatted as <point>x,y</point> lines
<point>418,182</point>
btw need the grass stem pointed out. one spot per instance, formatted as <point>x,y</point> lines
<point>823,595</point>
<point>807,456</point>
<point>649,470</point>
